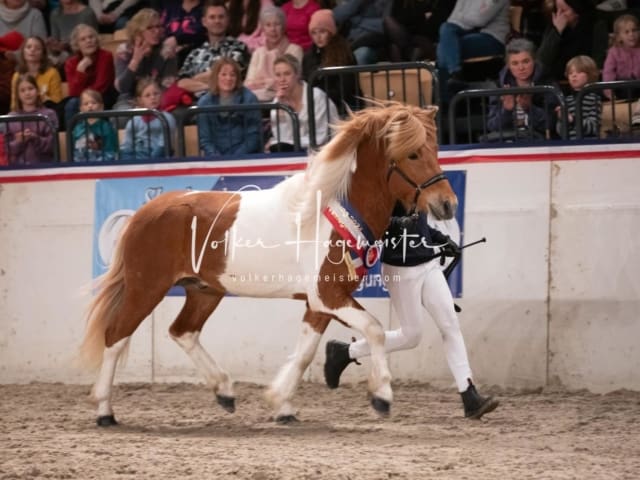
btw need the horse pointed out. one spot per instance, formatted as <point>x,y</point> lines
<point>215,243</point>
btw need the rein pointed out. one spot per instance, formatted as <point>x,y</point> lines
<point>393,167</point>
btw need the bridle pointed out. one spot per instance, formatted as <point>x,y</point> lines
<point>393,167</point>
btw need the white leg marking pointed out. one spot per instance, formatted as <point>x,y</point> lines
<point>104,385</point>
<point>206,365</point>
<point>288,378</point>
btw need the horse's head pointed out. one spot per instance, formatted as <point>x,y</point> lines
<point>414,175</point>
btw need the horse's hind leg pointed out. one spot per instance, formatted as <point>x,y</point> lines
<point>288,378</point>
<point>185,330</point>
<point>135,307</point>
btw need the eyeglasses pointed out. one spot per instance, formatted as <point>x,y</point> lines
<point>155,27</point>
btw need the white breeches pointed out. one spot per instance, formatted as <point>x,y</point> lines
<point>413,290</point>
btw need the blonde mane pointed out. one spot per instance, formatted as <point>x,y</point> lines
<point>397,128</point>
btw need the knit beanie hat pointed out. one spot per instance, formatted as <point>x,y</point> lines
<point>10,42</point>
<point>323,19</point>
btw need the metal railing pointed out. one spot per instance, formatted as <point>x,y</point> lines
<point>109,114</point>
<point>516,133</point>
<point>613,125</point>
<point>31,117</point>
<point>409,82</point>
<point>194,111</point>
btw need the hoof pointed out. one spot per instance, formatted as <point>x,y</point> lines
<point>286,419</point>
<point>228,403</point>
<point>106,421</point>
<point>381,406</point>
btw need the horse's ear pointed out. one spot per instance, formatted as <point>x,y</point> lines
<point>432,110</point>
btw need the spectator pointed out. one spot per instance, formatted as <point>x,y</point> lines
<point>580,71</point>
<point>195,72</point>
<point>260,76</point>
<point>9,43</point>
<point>32,141</point>
<point>231,132</point>
<point>33,59</point>
<point>569,35</point>
<point>362,21</point>
<point>514,115</point>
<point>94,139</point>
<point>298,13</point>
<point>291,91</point>
<point>143,56</point>
<point>143,135</point>
<point>244,21</point>
<point>62,21</point>
<point>623,58</point>
<point>473,29</point>
<point>330,49</point>
<point>90,67</point>
<point>412,28</point>
<point>19,15</point>
<point>184,29</point>
<point>114,14</point>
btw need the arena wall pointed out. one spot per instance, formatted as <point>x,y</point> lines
<point>551,298</point>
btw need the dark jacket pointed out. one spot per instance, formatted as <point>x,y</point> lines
<point>409,240</point>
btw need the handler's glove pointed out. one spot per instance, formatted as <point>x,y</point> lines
<point>451,248</point>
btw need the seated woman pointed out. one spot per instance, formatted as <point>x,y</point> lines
<point>260,78</point>
<point>330,49</point>
<point>143,56</point>
<point>511,115</point>
<point>89,67</point>
<point>20,16</point>
<point>291,91</point>
<point>231,132</point>
<point>63,20</point>
<point>33,59</point>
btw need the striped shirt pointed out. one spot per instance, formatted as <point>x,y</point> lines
<point>591,116</point>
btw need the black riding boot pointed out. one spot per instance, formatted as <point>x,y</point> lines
<point>475,406</point>
<point>337,359</point>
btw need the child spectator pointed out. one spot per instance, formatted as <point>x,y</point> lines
<point>33,59</point>
<point>298,13</point>
<point>291,90</point>
<point>330,49</point>
<point>623,58</point>
<point>143,135</point>
<point>580,71</point>
<point>94,139</point>
<point>231,132</point>
<point>260,75</point>
<point>515,115</point>
<point>32,141</point>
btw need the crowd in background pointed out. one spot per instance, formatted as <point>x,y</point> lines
<point>180,53</point>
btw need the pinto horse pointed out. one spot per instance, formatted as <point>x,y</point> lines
<point>380,155</point>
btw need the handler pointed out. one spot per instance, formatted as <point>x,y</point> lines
<point>418,282</point>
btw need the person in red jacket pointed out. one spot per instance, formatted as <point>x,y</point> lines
<point>89,67</point>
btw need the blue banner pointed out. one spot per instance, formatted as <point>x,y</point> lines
<point>118,199</point>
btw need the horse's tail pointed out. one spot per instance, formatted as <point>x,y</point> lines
<point>102,310</point>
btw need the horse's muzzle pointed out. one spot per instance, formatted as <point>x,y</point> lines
<point>444,209</point>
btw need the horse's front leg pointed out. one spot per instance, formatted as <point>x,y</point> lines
<point>380,377</point>
<point>286,382</point>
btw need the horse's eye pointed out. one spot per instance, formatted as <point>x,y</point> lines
<point>413,156</point>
